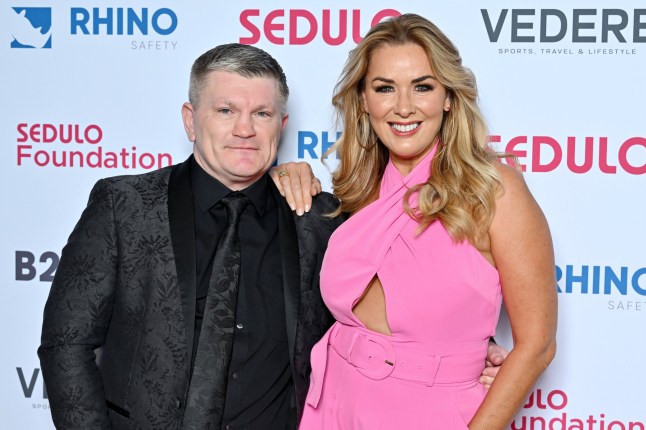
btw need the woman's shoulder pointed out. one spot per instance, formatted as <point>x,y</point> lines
<point>515,204</point>
<point>512,182</point>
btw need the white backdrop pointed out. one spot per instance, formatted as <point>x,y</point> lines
<point>562,86</point>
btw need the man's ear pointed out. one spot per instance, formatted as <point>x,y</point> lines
<point>284,122</point>
<point>188,114</point>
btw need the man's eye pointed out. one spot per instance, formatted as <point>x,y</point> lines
<point>224,111</point>
<point>264,114</point>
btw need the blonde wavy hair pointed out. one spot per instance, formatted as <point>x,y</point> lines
<point>462,189</point>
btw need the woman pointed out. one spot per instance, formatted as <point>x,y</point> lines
<point>439,231</point>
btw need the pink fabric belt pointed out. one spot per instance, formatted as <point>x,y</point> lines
<point>377,357</point>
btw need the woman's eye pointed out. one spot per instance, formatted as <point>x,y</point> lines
<point>384,89</point>
<point>423,88</point>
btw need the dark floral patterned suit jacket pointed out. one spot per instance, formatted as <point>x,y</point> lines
<point>125,289</point>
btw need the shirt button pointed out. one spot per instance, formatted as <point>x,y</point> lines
<point>235,375</point>
<point>227,427</point>
<point>239,326</point>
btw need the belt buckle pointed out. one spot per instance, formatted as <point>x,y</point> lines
<point>384,365</point>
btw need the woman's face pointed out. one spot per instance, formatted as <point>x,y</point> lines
<point>405,102</point>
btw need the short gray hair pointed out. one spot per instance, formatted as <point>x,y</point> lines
<point>244,60</point>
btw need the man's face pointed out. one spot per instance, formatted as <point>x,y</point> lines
<point>235,127</point>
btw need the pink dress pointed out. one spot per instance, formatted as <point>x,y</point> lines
<point>442,304</point>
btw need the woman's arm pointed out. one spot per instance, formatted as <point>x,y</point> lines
<point>521,247</point>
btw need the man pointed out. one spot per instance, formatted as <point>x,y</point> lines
<point>137,273</point>
<point>134,276</point>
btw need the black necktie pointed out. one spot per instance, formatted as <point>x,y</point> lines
<point>207,391</point>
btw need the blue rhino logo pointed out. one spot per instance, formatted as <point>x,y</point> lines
<point>31,27</point>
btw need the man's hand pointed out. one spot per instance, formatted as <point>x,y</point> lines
<point>297,184</point>
<point>496,354</point>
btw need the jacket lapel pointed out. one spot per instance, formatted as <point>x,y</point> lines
<point>290,258</point>
<point>182,230</point>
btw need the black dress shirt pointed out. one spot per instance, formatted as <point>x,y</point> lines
<point>260,388</point>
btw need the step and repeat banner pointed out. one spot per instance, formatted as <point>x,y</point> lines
<point>92,89</point>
